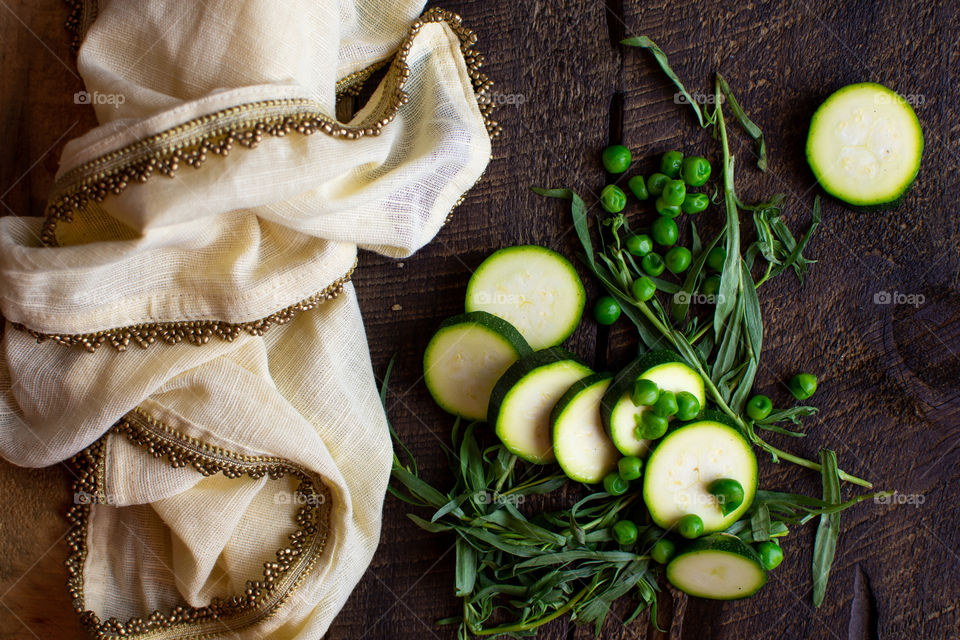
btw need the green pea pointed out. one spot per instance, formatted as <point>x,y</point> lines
<point>664,209</point>
<point>802,385</point>
<point>662,551</point>
<point>728,492</point>
<point>614,484</point>
<point>651,426</point>
<point>716,257</point>
<point>671,163</point>
<point>678,259</point>
<point>639,245</point>
<point>638,186</point>
<point>630,468</point>
<point>695,170</point>
<point>645,392</point>
<point>624,532</point>
<point>664,231</point>
<point>613,199</point>
<point>666,404</point>
<point>687,406</point>
<point>710,286</point>
<point>771,555</point>
<point>759,407</point>
<point>643,288</point>
<point>674,192</point>
<point>606,310</point>
<point>695,203</point>
<point>652,264</point>
<point>690,526</point>
<point>656,182</point>
<point>616,158</point>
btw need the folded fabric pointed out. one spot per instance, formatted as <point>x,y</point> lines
<point>182,322</point>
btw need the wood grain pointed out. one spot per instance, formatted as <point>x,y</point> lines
<point>889,390</point>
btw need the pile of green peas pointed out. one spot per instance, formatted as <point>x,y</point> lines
<point>669,190</point>
<point>662,404</point>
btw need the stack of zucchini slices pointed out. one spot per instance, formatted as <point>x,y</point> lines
<point>500,362</point>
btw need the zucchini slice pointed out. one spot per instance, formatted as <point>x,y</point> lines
<point>533,288</point>
<point>865,145</point>
<point>686,461</point>
<point>580,443</point>
<point>523,397</point>
<point>719,567</point>
<point>617,410</point>
<point>466,357</point>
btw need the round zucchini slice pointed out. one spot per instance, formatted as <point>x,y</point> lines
<point>865,145</point>
<point>620,414</point>
<point>686,461</point>
<point>718,567</point>
<point>523,397</point>
<point>580,443</point>
<point>533,288</point>
<point>466,357</point>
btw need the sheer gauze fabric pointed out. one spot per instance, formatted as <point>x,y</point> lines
<point>181,321</point>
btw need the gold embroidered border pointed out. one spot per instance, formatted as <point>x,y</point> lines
<point>261,598</point>
<point>196,332</point>
<point>192,142</point>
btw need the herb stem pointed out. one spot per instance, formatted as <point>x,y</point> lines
<point>700,334</point>
<point>527,626</point>
<point>506,473</point>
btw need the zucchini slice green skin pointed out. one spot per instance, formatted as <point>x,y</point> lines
<point>581,444</point>
<point>522,399</point>
<point>619,413</point>
<point>465,358</point>
<point>865,145</point>
<point>718,567</point>
<point>685,461</point>
<point>535,289</point>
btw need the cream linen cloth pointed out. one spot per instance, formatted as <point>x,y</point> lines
<point>182,320</point>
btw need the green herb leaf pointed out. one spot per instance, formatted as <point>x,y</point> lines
<point>465,576</point>
<point>644,42</point>
<point>825,544</point>
<point>680,304</point>
<point>578,209</point>
<point>748,125</point>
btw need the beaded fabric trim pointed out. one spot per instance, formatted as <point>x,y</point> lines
<point>191,143</point>
<point>196,332</point>
<point>261,598</point>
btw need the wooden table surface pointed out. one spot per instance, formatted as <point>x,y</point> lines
<point>889,372</point>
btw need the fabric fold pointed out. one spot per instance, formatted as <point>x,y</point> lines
<point>182,324</point>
